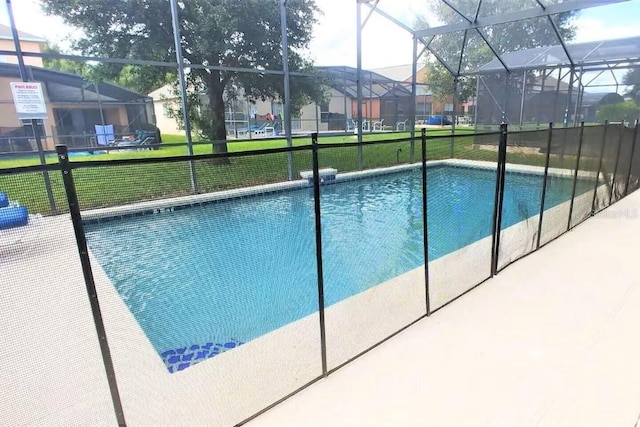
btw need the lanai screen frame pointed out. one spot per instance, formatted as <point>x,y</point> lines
<point>425,37</point>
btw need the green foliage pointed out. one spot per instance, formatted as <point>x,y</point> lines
<point>137,78</point>
<point>503,38</point>
<point>228,33</point>
<point>632,78</point>
<point>628,111</point>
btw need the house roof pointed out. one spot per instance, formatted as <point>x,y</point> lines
<point>400,73</point>
<point>164,92</point>
<point>66,87</point>
<point>5,33</point>
<point>374,85</point>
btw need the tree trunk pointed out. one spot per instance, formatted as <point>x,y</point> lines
<point>218,126</point>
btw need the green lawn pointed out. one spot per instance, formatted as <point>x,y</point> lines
<point>120,184</point>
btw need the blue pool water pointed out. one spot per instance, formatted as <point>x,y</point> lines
<point>206,279</point>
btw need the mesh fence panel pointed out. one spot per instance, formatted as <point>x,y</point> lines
<point>460,208</point>
<point>210,301</point>
<point>49,344</point>
<point>559,183</point>
<point>622,165</point>
<point>586,183</point>
<point>525,158</point>
<point>634,170</point>
<point>372,250</point>
<point>612,150</point>
<point>30,190</point>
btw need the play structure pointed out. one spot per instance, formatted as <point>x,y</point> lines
<point>11,214</point>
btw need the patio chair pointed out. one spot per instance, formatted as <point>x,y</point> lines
<point>379,125</point>
<point>401,126</point>
<point>104,134</point>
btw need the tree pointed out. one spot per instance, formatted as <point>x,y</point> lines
<point>632,78</point>
<point>140,79</point>
<point>230,33</point>
<point>504,38</point>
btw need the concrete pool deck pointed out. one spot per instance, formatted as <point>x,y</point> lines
<point>552,340</point>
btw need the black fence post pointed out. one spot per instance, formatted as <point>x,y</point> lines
<point>633,149</point>
<point>615,168</point>
<point>318,218</point>
<point>83,251</point>
<point>499,198</point>
<point>425,226</point>
<point>544,185</point>
<point>602,147</point>
<point>575,175</point>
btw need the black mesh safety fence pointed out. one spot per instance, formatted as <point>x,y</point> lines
<point>215,291</point>
<point>372,245</point>
<point>586,182</point>
<point>248,275</point>
<point>633,175</point>
<point>461,192</point>
<point>614,166</point>
<point>558,185</point>
<point>526,157</point>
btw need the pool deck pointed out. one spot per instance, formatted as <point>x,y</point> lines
<point>552,340</point>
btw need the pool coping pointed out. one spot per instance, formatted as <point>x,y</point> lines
<point>93,216</point>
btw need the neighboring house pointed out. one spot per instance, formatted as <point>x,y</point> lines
<point>74,108</point>
<point>426,104</point>
<point>28,43</point>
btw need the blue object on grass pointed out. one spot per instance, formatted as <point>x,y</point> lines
<point>4,200</point>
<point>15,216</point>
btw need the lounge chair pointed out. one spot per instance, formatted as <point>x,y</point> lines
<point>401,126</point>
<point>144,139</point>
<point>378,125</point>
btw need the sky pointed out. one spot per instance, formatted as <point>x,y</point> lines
<point>384,43</point>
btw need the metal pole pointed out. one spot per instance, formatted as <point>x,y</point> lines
<point>425,223</point>
<point>456,83</point>
<point>544,185</point>
<point>499,198</point>
<point>524,83</point>
<point>575,175</point>
<point>287,89</point>
<point>359,78</point>
<point>183,91</point>
<point>633,149</point>
<point>83,250</point>
<point>615,169</point>
<point>475,105</point>
<point>578,99</point>
<point>318,225</point>
<point>344,98</point>
<point>566,109</point>
<point>602,147</point>
<point>34,122</point>
<point>414,91</point>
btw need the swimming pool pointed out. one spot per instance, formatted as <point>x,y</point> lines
<point>203,280</point>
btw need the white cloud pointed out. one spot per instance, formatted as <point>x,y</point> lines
<point>593,29</point>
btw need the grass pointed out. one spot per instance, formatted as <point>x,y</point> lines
<point>120,184</point>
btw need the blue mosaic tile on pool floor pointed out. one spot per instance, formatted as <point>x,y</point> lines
<point>179,359</point>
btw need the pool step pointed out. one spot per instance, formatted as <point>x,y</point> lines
<point>326,175</point>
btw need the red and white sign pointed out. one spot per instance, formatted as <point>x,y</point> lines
<point>29,101</point>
